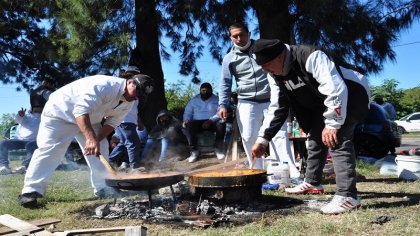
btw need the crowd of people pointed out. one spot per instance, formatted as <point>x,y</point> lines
<point>273,80</point>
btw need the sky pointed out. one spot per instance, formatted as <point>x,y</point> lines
<point>404,70</point>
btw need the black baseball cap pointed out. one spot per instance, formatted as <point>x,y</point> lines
<point>265,50</point>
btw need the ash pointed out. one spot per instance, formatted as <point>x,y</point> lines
<point>192,212</point>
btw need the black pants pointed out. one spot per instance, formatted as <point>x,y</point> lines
<point>344,156</point>
<point>196,126</point>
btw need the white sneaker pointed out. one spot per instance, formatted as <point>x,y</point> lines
<point>124,166</point>
<point>219,154</point>
<point>193,157</point>
<point>340,204</point>
<point>20,170</point>
<point>5,170</point>
<point>305,188</point>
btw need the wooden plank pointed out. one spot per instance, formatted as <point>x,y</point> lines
<point>18,224</point>
<point>236,135</point>
<point>136,231</point>
<point>232,151</point>
<point>42,222</point>
<point>92,231</point>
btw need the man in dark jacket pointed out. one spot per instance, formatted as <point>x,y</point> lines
<point>40,95</point>
<point>318,91</point>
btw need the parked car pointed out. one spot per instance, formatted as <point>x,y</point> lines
<point>409,123</point>
<point>377,135</point>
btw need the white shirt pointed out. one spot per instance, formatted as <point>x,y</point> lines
<point>28,126</point>
<point>197,109</point>
<point>98,96</point>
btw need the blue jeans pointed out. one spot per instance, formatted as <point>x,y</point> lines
<point>14,144</point>
<point>30,149</point>
<point>130,140</point>
<point>149,145</point>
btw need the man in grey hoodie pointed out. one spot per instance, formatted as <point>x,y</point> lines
<point>253,98</point>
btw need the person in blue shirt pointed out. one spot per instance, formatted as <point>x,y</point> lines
<point>388,107</point>
<point>200,115</point>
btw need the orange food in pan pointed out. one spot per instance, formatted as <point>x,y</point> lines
<point>228,173</point>
<point>146,175</point>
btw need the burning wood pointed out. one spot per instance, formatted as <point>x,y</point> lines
<point>187,212</point>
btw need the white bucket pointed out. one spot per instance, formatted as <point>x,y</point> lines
<point>408,167</point>
<point>278,173</point>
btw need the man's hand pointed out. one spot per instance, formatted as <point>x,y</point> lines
<point>257,150</point>
<point>184,124</point>
<point>223,113</point>
<point>207,124</point>
<point>329,137</point>
<point>21,112</point>
<point>92,142</point>
<point>91,147</point>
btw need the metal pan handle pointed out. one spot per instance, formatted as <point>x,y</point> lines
<point>125,184</point>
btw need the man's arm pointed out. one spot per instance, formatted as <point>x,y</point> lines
<point>276,115</point>
<point>92,142</point>
<point>331,85</point>
<point>225,87</point>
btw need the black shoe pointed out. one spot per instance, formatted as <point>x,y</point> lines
<point>28,200</point>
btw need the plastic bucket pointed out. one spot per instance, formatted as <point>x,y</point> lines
<point>278,173</point>
<point>408,167</point>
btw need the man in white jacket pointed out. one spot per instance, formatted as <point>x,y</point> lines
<point>76,111</point>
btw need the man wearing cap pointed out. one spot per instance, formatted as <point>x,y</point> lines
<point>76,111</point>
<point>253,98</point>
<point>318,91</point>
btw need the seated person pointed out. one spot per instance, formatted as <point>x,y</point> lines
<point>168,130</point>
<point>25,139</point>
<point>200,115</point>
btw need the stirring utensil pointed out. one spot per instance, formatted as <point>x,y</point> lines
<point>253,163</point>
<point>107,165</point>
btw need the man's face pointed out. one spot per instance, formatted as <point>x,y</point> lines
<point>239,36</point>
<point>275,66</point>
<point>205,93</point>
<point>130,91</point>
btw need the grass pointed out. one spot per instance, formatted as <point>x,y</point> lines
<point>69,192</point>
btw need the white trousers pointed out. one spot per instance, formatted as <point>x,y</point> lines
<point>54,137</point>
<point>250,119</point>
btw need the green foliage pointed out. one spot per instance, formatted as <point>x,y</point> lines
<point>410,101</point>
<point>66,40</point>
<point>178,95</point>
<point>6,121</point>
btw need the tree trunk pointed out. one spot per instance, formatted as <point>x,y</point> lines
<point>147,56</point>
<point>274,19</point>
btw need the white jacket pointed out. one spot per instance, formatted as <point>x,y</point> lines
<point>28,126</point>
<point>98,96</point>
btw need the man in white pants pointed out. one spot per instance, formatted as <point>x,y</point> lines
<point>253,98</point>
<point>76,111</point>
